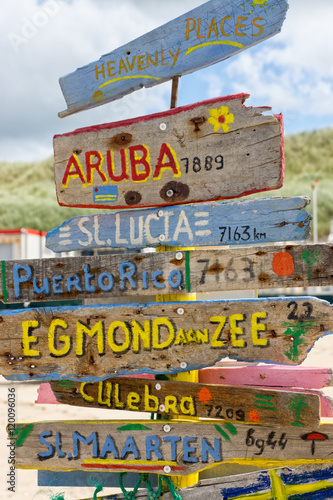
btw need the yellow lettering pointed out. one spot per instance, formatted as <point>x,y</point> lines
<point>190,410</point>
<point>191,337</point>
<point>58,323</point>
<point>85,396</point>
<point>111,68</point>
<point>235,330</point>
<point>258,327</point>
<point>152,61</point>
<point>100,71</point>
<point>162,59</point>
<point>188,29</point>
<point>175,57</point>
<point>181,337</point>
<point>132,399</point>
<point>82,329</point>
<point>131,66</point>
<point>141,334</point>
<point>107,401</point>
<point>29,339</point>
<point>212,27</point>
<point>221,25</point>
<point>239,25</point>
<point>261,28</point>
<point>150,398</point>
<point>160,322</point>
<point>112,333</point>
<point>198,31</point>
<point>117,402</point>
<point>141,63</point>
<point>122,67</point>
<point>215,342</point>
<point>171,404</point>
<point>202,337</point>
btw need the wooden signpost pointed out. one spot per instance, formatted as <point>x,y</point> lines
<point>236,223</point>
<point>184,155</point>
<point>166,447</point>
<point>242,268</point>
<point>272,376</point>
<point>203,36</point>
<point>195,400</point>
<point>93,343</point>
<point>303,483</point>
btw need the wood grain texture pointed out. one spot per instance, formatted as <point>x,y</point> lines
<point>172,447</point>
<point>279,377</point>
<point>203,36</point>
<point>193,400</point>
<point>252,221</point>
<point>302,482</point>
<point>181,156</point>
<point>93,343</point>
<point>182,272</point>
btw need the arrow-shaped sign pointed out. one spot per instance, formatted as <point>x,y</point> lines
<point>203,36</point>
<point>148,274</point>
<point>92,343</point>
<point>252,221</point>
<point>166,447</point>
<point>195,400</point>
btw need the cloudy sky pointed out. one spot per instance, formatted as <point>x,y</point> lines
<point>41,41</point>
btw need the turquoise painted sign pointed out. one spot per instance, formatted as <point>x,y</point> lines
<point>203,36</point>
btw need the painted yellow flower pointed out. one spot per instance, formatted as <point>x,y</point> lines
<point>220,118</point>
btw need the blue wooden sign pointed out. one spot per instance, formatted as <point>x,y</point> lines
<point>206,35</point>
<point>252,221</point>
<point>307,482</point>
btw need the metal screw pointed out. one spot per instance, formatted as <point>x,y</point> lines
<point>160,213</point>
<point>163,126</point>
<point>161,408</point>
<point>181,287</point>
<point>183,365</point>
<point>180,311</point>
<point>161,237</point>
<point>32,366</point>
<point>167,427</point>
<point>170,193</point>
<point>158,387</point>
<point>167,469</point>
<point>179,256</point>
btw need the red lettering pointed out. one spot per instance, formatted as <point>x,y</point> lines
<point>169,155</point>
<point>110,163</point>
<point>94,166</point>
<point>74,170</point>
<point>135,161</point>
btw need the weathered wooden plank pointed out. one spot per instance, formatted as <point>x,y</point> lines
<point>203,36</point>
<point>252,221</point>
<point>194,400</point>
<point>185,155</point>
<point>279,377</point>
<point>172,447</point>
<point>303,481</point>
<point>83,479</point>
<point>284,483</point>
<point>46,396</point>
<point>107,276</point>
<point>93,343</point>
